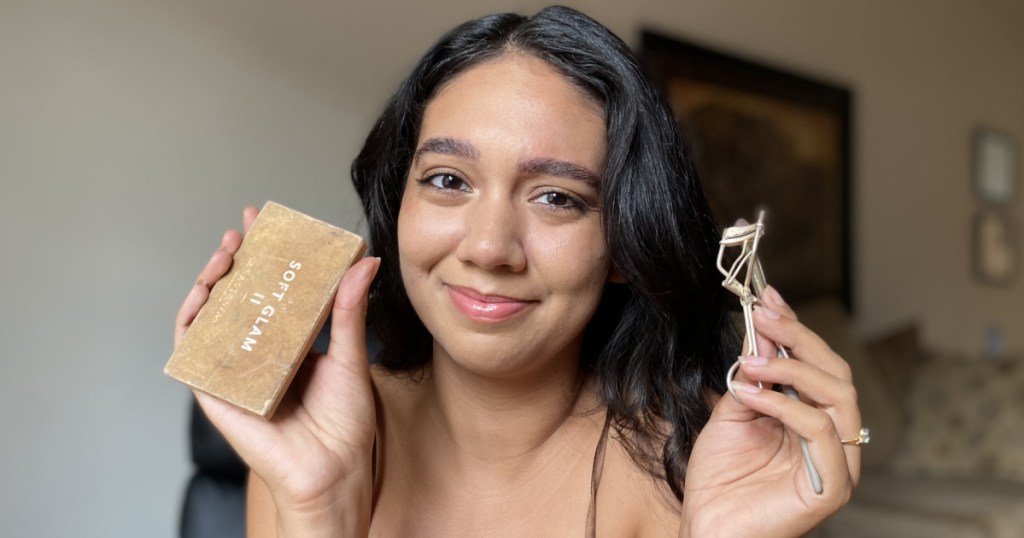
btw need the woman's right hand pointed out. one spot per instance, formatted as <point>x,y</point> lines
<point>315,454</point>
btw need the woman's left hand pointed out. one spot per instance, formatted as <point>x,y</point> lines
<point>747,475</point>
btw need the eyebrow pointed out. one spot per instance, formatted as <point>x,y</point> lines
<point>539,166</point>
<point>554,167</point>
<point>447,146</point>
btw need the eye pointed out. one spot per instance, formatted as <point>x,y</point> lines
<point>554,198</point>
<point>560,200</point>
<point>446,182</point>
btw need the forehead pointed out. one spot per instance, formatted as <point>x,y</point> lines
<point>521,101</point>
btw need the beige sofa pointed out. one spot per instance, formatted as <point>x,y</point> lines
<point>947,451</point>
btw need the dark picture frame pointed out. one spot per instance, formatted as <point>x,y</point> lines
<point>764,138</point>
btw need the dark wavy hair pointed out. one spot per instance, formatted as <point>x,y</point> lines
<point>656,344</point>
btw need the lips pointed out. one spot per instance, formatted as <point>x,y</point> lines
<point>487,308</point>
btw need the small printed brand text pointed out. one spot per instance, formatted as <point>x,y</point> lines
<point>268,310</point>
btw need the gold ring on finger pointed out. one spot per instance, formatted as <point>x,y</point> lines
<point>863,437</point>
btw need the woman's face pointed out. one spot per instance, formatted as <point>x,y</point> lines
<point>499,231</point>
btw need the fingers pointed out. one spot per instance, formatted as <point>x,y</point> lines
<point>771,298</point>
<point>801,341</point>
<point>764,346</point>
<point>220,262</point>
<point>814,425</point>
<point>821,377</point>
<point>248,218</point>
<point>216,268</point>
<point>194,301</point>
<point>348,318</point>
<point>812,383</point>
<point>836,397</point>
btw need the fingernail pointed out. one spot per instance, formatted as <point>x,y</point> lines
<point>369,269</point>
<point>746,387</point>
<point>753,360</point>
<point>224,239</point>
<point>360,276</point>
<point>766,312</point>
<point>774,294</point>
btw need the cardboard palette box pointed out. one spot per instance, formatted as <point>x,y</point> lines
<point>249,339</point>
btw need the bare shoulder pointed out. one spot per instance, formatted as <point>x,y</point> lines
<point>630,502</point>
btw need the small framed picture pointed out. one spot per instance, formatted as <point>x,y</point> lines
<point>995,247</point>
<point>995,166</point>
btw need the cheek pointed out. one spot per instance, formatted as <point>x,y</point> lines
<point>409,232</point>
<point>425,235</point>
<point>575,262</point>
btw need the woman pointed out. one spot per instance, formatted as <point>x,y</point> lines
<point>554,333</point>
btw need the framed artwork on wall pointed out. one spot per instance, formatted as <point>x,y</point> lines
<point>995,166</point>
<point>995,257</point>
<point>764,138</point>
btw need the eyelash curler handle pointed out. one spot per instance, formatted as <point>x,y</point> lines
<point>749,292</point>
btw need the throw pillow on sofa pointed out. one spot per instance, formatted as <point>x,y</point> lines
<point>965,418</point>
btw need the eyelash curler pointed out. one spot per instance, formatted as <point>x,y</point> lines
<point>746,279</point>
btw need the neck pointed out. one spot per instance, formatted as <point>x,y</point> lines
<point>502,424</point>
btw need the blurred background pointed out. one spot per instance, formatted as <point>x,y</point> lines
<point>132,133</point>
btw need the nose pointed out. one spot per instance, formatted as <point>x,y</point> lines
<point>492,237</point>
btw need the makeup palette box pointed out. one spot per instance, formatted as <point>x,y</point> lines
<point>249,339</point>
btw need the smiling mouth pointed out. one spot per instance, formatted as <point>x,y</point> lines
<point>488,308</point>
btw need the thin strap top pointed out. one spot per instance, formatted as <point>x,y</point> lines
<point>595,474</point>
<point>595,477</point>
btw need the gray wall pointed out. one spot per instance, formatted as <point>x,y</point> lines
<point>132,133</point>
